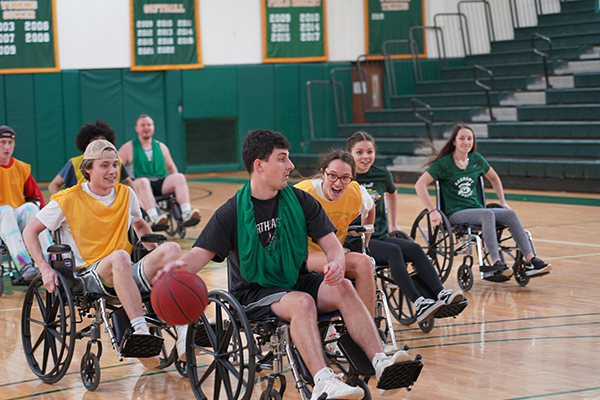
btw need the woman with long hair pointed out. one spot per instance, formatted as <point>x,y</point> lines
<point>458,167</point>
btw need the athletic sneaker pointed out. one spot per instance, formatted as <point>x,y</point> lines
<point>450,296</point>
<point>382,361</point>
<point>426,308</point>
<point>28,273</point>
<point>536,266</point>
<point>160,220</point>
<point>181,340</point>
<point>333,386</point>
<point>499,268</point>
<point>148,362</point>
<point>193,214</point>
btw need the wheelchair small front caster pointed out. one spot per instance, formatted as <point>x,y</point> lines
<point>465,277</point>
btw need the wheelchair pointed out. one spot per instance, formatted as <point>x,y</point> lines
<point>225,350</point>
<point>49,324</point>
<point>392,301</point>
<point>445,241</point>
<point>168,204</point>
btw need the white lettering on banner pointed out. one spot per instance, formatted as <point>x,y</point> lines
<point>280,18</point>
<point>185,32</point>
<point>310,37</point>
<point>184,22</point>
<point>164,9</point>
<point>164,32</point>
<point>145,42</point>
<point>8,50</point>
<point>278,3</point>
<point>7,26</point>
<point>19,5</point>
<point>185,40</point>
<point>42,37</point>
<point>164,23</point>
<point>165,41</point>
<point>280,27</point>
<point>7,38</point>
<point>310,17</point>
<point>281,37</point>
<point>18,15</point>
<point>145,32</point>
<point>37,25</point>
<point>145,51</point>
<point>165,50</point>
<point>144,23</point>
<point>377,16</point>
<point>395,5</point>
<point>306,3</point>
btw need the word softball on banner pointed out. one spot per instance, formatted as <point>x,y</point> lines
<point>391,20</point>
<point>294,30</point>
<point>165,35</point>
<point>28,37</point>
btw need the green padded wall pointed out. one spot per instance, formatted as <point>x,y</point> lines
<point>20,115</point>
<point>49,127</point>
<point>2,101</point>
<point>256,98</point>
<point>174,116</point>
<point>102,98</point>
<point>71,92</point>
<point>210,92</point>
<point>287,97</point>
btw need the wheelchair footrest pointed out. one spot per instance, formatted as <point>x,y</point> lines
<point>451,310</point>
<point>538,275</point>
<point>191,222</point>
<point>497,278</point>
<point>142,346</point>
<point>355,355</point>
<point>401,375</point>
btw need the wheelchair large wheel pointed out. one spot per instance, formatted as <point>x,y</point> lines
<point>437,242</point>
<point>400,307</point>
<point>48,329</point>
<point>221,352</point>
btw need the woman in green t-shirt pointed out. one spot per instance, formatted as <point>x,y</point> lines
<point>457,167</point>
<point>394,251</point>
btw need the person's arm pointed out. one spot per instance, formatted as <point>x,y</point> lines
<point>31,238</point>
<point>494,179</point>
<point>423,194</point>
<point>126,152</point>
<point>369,219</point>
<point>142,228</point>
<point>169,163</point>
<point>335,269</point>
<point>56,184</point>
<point>31,189</point>
<point>194,261</point>
<point>391,200</point>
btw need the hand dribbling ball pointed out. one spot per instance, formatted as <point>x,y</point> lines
<point>179,297</point>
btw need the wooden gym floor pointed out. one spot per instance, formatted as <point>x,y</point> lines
<point>540,341</point>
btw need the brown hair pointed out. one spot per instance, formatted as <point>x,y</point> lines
<point>359,136</point>
<point>339,155</point>
<point>449,147</point>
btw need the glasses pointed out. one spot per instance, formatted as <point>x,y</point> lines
<point>333,177</point>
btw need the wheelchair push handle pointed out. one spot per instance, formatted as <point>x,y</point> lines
<point>56,249</point>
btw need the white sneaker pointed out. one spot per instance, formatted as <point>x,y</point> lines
<point>181,341</point>
<point>335,388</point>
<point>382,361</point>
<point>193,214</point>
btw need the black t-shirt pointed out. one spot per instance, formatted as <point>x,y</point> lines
<point>220,233</point>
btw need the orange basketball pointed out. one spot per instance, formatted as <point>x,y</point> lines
<point>179,297</point>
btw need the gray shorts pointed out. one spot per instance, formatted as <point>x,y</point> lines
<point>94,284</point>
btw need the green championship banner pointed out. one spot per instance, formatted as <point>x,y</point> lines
<point>28,37</point>
<point>294,31</point>
<point>164,35</point>
<point>391,20</point>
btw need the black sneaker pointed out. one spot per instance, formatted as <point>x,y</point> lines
<point>499,268</point>
<point>426,309</point>
<point>536,266</point>
<point>451,296</point>
<point>28,273</point>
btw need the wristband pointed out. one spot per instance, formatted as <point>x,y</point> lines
<point>369,228</point>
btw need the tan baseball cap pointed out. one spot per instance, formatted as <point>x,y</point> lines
<point>95,149</point>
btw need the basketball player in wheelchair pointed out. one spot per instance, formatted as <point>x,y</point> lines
<point>262,231</point>
<point>94,219</point>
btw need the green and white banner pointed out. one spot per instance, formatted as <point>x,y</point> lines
<point>294,30</point>
<point>28,36</point>
<point>391,20</point>
<point>165,35</point>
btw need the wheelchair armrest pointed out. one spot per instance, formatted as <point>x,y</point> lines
<point>59,249</point>
<point>356,228</point>
<point>153,238</point>
<point>32,199</point>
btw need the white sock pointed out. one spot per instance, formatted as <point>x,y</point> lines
<point>322,374</point>
<point>419,301</point>
<point>186,208</point>
<point>378,357</point>
<point>153,214</point>
<point>139,325</point>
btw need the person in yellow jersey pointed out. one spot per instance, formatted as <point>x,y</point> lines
<point>343,200</point>
<point>70,175</point>
<point>94,218</point>
<point>17,184</point>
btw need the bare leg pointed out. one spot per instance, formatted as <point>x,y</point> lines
<point>178,184</point>
<point>144,192</point>
<point>343,297</point>
<point>299,309</point>
<point>358,267</point>
<point>159,257</point>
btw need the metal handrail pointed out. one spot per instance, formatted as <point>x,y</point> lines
<point>309,103</point>
<point>487,89</point>
<point>488,16</point>
<point>463,30</point>
<point>415,49</point>
<point>389,65</point>
<point>544,56</point>
<point>414,102</point>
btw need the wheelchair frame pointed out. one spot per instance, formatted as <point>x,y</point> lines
<point>49,335</point>
<point>168,204</point>
<point>395,302</point>
<point>443,242</point>
<point>233,349</point>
